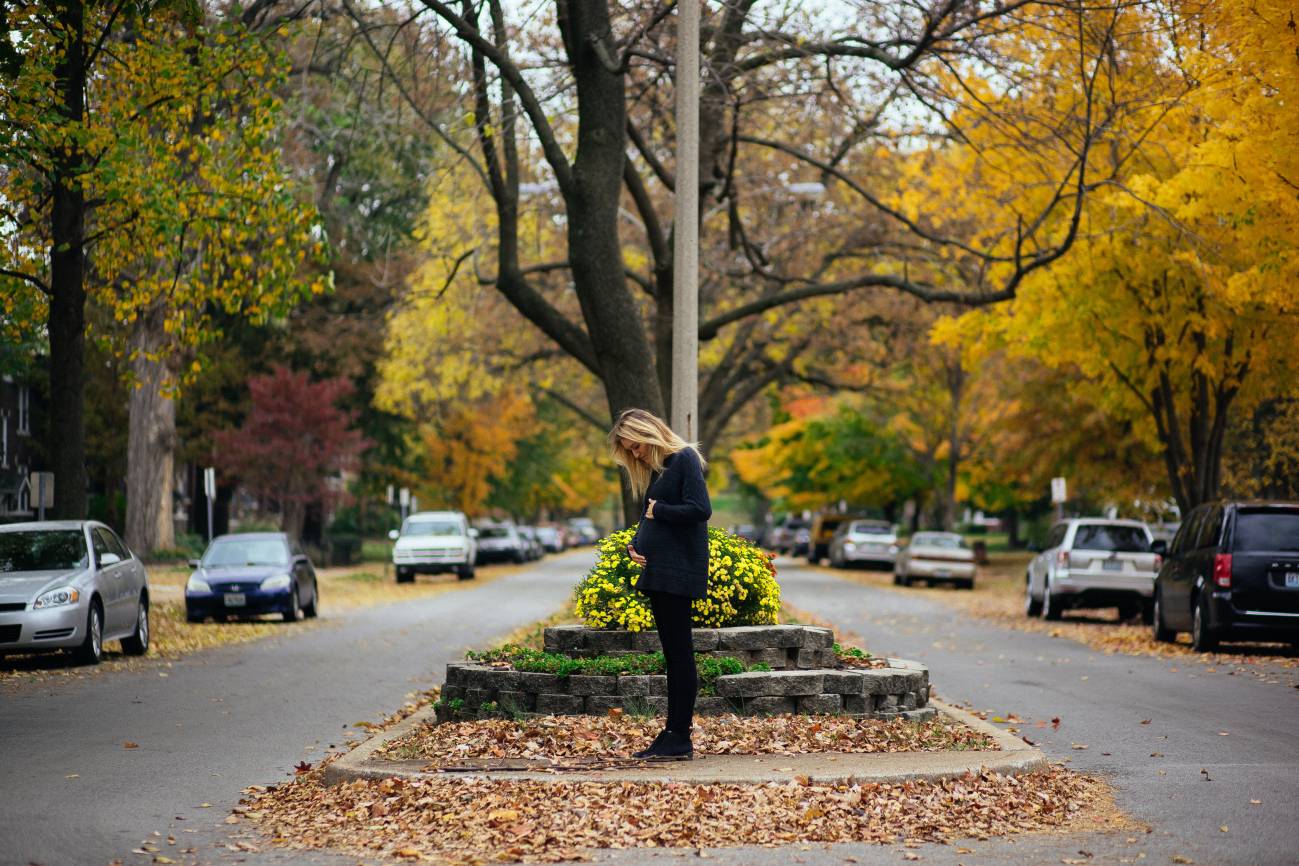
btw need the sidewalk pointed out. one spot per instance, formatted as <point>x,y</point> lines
<point>1015,757</point>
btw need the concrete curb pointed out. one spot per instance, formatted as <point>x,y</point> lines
<point>839,768</point>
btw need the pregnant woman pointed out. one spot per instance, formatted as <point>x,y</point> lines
<point>671,545</point>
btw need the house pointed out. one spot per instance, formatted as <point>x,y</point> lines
<point>17,448</point>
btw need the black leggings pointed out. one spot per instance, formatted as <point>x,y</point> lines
<point>672,616</point>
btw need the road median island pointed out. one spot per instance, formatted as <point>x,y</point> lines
<point>523,805</point>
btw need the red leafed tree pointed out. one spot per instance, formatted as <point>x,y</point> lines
<point>293,443</point>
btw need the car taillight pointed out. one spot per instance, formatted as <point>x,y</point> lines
<point>1222,570</point>
<point>1062,559</point>
<point>1159,561</point>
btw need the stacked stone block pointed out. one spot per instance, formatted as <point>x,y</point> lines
<point>805,678</point>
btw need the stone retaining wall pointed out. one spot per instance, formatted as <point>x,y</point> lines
<point>900,690</point>
<point>780,647</point>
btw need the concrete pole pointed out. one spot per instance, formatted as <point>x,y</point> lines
<point>685,253</point>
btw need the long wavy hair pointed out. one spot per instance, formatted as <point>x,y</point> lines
<point>645,428</point>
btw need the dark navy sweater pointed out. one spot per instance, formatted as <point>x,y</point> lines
<point>675,541</point>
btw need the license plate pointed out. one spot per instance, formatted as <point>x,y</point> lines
<point>235,599</point>
<point>942,572</point>
<point>1292,579</point>
<point>1113,565</point>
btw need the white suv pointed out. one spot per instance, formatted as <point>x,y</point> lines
<point>1091,562</point>
<point>433,542</point>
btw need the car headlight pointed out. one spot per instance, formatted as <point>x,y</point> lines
<point>57,598</point>
<point>279,581</point>
<point>197,584</point>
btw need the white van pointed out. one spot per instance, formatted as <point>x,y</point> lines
<point>433,542</point>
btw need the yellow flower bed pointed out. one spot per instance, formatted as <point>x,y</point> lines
<point>742,587</point>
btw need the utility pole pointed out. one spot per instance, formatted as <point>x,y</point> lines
<point>685,252</point>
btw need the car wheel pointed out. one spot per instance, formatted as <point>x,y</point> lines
<point>1032,607</point>
<point>138,643</point>
<point>1203,637</point>
<point>193,618</point>
<point>465,572</point>
<point>294,613</point>
<point>1160,632</point>
<point>897,578</point>
<point>1051,607</point>
<point>91,651</point>
<point>405,575</point>
<point>310,610</point>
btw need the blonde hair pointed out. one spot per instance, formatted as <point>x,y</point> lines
<point>645,428</point>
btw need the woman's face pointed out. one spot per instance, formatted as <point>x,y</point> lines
<point>639,450</point>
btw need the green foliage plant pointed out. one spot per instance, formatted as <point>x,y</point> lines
<point>742,587</point>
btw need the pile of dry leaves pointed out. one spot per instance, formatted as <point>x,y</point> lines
<point>618,736</point>
<point>470,820</point>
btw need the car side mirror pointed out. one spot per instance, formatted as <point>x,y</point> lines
<point>106,559</point>
<point>1159,546</point>
<point>392,534</point>
<point>193,563</point>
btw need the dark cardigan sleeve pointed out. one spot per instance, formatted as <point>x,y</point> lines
<point>695,506</point>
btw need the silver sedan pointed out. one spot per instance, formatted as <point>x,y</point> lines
<point>71,585</point>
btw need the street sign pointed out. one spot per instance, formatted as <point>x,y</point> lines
<point>1058,491</point>
<point>40,491</point>
<point>209,493</point>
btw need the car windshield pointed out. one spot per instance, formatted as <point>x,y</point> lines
<point>494,532</point>
<point>871,529</point>
<point>1120,539</point>
<point>1267,530</point>
<point>951,542</point>
<point>431,527</point>
<point>246,551</point>
<point>42,550</point>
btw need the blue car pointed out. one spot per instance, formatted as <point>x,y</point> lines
<point>252,573</point>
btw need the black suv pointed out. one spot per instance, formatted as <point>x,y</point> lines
<point>1231,573</point>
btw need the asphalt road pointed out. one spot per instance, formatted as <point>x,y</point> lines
<point>246,714</point>
<point>222,720</point>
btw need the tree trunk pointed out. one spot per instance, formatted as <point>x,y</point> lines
<point>67,308</point>
<point>151,442</point>
<point>610,311</point>
<point>956,386</point>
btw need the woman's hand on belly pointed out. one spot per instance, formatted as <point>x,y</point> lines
<point>635,557</point>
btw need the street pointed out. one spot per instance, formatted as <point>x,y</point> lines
<point>211,724</point>
<point>243,715</point>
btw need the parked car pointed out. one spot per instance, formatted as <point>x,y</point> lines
<point>1231,573</point>
<point>789,536</point>
<point>551,538</point>
<point>501,542</point>
<point>583,531</point>
<point>936,557</point>
<point>434,542</point>
<point>252,573</point>
<point>535,548</point>
<point>71,585</point>
<point>1093,562</point>
<point>747,531</point>
<point>863,542</point>
<point>822,533</point>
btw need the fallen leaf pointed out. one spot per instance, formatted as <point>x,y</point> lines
<point>1256,802</point>
<point>1145,721</point>
<point>910,855</point>
<point>1055,722</point>
<point>1081,747</point>
<point>503,815</point>
<point>129,745</point>
<point>302,767</point>
<point>232,819</point>
<point>162,859</point>
<point>1224,829</point>
<point>72,776</point>
<point>409,853</point>
<point>1178,858</point>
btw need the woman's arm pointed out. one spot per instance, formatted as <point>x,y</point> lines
<point>695,506</point>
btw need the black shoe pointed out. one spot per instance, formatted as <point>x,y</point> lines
<point>653,747</point>
<point>672,747</point>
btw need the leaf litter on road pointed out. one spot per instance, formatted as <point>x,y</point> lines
<point>468,819</point>
<point>617,737</point>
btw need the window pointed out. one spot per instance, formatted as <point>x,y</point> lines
<point>24,410</point>
<point>1056,538</point>
<point>1210,528</point>
<point>1185,540</point>
<point>42,550</point>
<point>101,545</point>
<point>1103,536</point>
<point>116,545</point>
<point>1271,529</point>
